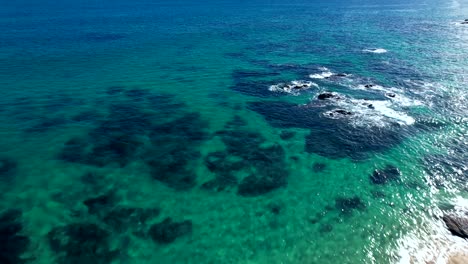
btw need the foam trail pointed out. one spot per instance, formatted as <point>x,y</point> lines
<point>323,75</point>
<point>377,51</point>
<point>293,87</point>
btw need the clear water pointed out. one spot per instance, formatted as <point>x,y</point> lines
<point>164,110</point>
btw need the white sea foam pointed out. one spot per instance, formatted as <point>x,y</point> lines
<point>323,75</point>
<point>377,51</point>
<point>374,113</point>
<point>433,243</point>
<point>391,93</point>
<point>293,87</point>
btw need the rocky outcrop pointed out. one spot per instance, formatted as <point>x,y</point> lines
<point>457,225</point>
<point>327,95</point>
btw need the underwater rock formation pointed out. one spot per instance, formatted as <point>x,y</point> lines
<point>79,243</point>
<point>169,230</point>
<point>12,243</point>
<point>7,168</point>
<point>389,173</point>
<point>346,205</point>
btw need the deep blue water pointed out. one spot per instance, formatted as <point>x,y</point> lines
<point>232,132</point>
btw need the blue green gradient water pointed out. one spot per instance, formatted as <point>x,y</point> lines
<point>118,76</point>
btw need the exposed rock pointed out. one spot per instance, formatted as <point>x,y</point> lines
<point>327,95</point>
<point>458,226</point>
<point>291,87</point>
<point>369,86</point>
<point>337,113</point>
<point>391,95</point>
<point>458,258</point>
<point>168,231</point>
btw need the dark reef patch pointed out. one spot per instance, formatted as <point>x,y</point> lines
<point>286,135</point>
<point>101,203</point>
<point>114,90</point>
<point>87,116</point>
<point>47,123</point>
<point>247,154</point>
<point>74,150</point>
<point>168,230</point>
<point>319,167</point>
<point>120,149</point>
<point>255,185</point>
<point>175,149</point>
<point>8,168</point>
<point>236,123</point>
<point>275,208</point>
<point>154,126</point>
<point>325,228</point>
<point>12,243</point>
<point>332,138</point>
<point>137,94</point>
<point>346,205</point>
<point>389,173</point>
<point>121,218</point>
<point>79,243</point>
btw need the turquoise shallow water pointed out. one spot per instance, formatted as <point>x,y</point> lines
<point>175,132</point>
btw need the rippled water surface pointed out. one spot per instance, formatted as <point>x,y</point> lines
<point>232,132</point>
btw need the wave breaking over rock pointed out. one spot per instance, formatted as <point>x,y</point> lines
<point>294,87</point>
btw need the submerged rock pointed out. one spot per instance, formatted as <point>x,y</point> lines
<point>81,243</point>
<point>458,226</point>
<point>97,205</point>
<point>285,135</point>
<point>123,218</point>
<point>258,185</point>
<point>319,167</point>
<point>346,205</point>
<point>168,230</point>
<point>12,243</point>
<point>7,168</point>
<point>389,173</point>
<point>329,137</point>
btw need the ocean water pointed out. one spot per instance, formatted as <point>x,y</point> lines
<point>232,131</point>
